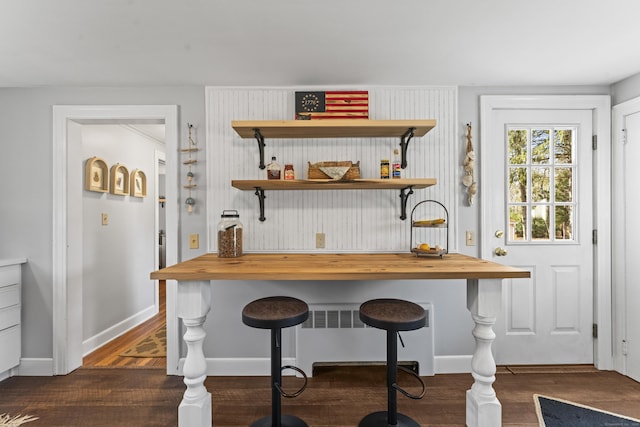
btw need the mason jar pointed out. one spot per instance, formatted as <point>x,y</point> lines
<point>229,235</point>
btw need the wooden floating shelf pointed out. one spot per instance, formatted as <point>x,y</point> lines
<point>332,184</point>
<point>331,128</point>
<point>406,187</point>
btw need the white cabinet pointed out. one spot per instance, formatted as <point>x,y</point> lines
<point>10,305</point>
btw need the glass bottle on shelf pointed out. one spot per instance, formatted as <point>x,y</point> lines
<point>273,169</point>
<point>289,173</point>
<point>396,168</point>
<point>384,169</point>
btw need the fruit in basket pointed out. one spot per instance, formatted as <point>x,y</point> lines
<point>426,222</point>
<point>424,247</point>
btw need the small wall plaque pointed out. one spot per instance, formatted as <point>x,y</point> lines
<point>96,175</point>
<point>119,180</point>
<point>138,183</point>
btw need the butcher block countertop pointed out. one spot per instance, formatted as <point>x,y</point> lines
<point>344,266</point>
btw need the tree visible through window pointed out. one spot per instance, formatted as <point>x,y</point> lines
<point>540,174</point>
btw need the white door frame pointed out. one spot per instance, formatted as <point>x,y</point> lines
<point>601,107</point>
<point>66,240</point>
<point>619,325</point>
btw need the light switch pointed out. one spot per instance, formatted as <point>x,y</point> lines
<point>194,241</point>
<point>471,238</point>
<point>105,219</point>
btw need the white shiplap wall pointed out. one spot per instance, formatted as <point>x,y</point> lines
<point>353,220</point>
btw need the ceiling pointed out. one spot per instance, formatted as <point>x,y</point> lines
<point>319,42</point>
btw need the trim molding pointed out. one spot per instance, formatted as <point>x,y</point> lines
<point>118,329</point>
<point>239,366</point>
<point>35,367</point>
<point>453,364</point>
<point>261,366</point>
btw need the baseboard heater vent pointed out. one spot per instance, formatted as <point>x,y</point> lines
<point>334,333</point>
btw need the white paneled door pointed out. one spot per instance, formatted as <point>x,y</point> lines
<point>632,252</point>
<point>538,215</point>
<point>626,210</point>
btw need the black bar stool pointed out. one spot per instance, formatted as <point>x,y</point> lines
<point>276,313</point>
<point>393,315</point>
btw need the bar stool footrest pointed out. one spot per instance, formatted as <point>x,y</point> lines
<point>405,392</point>
<point>295,393</point>
<point>379,419</point>
<point>287,421</point>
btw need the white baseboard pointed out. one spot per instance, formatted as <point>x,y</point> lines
<point>31,367</point>
<point>453,364</point>
<point>258,366</point>
<point>262,366</point>
<point>118,329</point>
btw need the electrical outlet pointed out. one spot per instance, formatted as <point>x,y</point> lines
<point>194,241</point>
<point>471,238</point>
<point>105,219</point>
<point>319,240</point>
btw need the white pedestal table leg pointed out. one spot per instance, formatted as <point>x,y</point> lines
<point>484,299</point>
<point>194,303</point>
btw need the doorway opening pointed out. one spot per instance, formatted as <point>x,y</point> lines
<point>68,251</point>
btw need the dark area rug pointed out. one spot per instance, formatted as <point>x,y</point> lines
<point>561,413</point>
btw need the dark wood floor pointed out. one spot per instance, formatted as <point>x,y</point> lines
<point>334,397</point>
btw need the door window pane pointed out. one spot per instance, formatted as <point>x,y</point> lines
<point>540,222</point>
<point>517,185</point>
<point>518,223</point>
<point>539,184</point>
<point>540,147</point>
<point>541,173</point>
<point>518,143</point>
<point>564,184</point>
<point>563,141</point>
<point>564,222</point>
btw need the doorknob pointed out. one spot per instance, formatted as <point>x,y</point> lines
<point>499,233</point>
<point>500,251</point>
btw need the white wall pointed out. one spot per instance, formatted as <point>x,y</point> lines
<point>26,210</point>
<point>353,221</point>
<point>26,186</point>
<point>117,257</point>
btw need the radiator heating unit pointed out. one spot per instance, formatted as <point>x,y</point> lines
<point>335,334</point>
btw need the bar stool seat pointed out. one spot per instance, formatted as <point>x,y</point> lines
<point>393,315</point>
<point>276,313</point>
